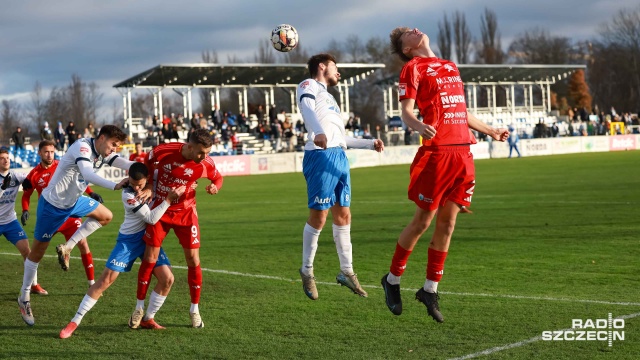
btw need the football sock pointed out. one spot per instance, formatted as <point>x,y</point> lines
<point>35,279</point>
<point>30,271</point>
<point>194,308</point>
<point>144,278</point>
<point>86,305</point>
<point>87,262</point>
<point>194,277</point>
<point>310,237</point>
<point>342,238</point>
<point>91,282</point>
<point>140,304</point>
<point>155,303</point>
<point>398,264</point>
<point>87,228</point>
<point>435,269</point>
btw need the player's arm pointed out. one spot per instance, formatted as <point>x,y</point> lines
<point>477,125</point>
<point>27,190</point>
<point>143,212</point>
<point>86,169</point>
<point>408,117</point>
<point>120,162</point>
<point>307,105</point>
<point>368,144</point>
<point>214,175</point>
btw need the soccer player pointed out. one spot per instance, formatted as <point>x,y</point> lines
<point>442,176</point>
<point>139,155</point>
<point>178,164</point>
<point>62,199</point>
<point>9,227</point>
<point>38,179</point>
<point>326,170</point>
<point>129,246</point>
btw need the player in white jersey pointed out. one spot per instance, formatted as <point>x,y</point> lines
<point>63,198</point>
<point>9,226</point>
<point>326,169</point>
<point>129,247</point>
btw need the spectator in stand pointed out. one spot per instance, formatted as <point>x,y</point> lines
<point>235,142</point>
<point>46,133</point>
<point>139,155</point>
<point>272,114</point>
<point>242,122</point>
<point>174,131</point>
<point>276,134</point>
<point>224,130</point>
<point>71,133</point>
<point>260,113</point>
<point>216,117</point>
<point>554,130</point>
<point>18,138</point>
<point>300,129</point>
<point>287,133</point>
<point>194,123</point>
<point>60,137</point>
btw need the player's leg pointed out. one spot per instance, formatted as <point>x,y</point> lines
<point>23,247</point>
<point>97,216</point>
<point>68,229</point>
<point>153,237</point>
<point>189,237</point>
<point>163,273</point>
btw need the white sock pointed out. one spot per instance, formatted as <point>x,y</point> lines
<point>86,305</point>
<point>88,227</point>
<point>155,303</point>
<point>393,280</point>
<point>91,282</point>
<point>30,271</point>
<point>342,238</point>
<point>310,237</point>
<point>35,279</point>
<point>140,304</point>
<point>194,308</point>
<point>431,286</point>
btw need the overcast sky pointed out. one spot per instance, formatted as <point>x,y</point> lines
<point>108,41</point>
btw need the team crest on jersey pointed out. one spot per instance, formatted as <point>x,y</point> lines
<point>84,151</point>
<point>188,172</point>
<point>304,84</point>
<point>402,89</point>
<point>132,201</point>
<point>449,68</point>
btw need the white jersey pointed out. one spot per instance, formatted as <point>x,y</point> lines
<point>321,114</point>
<point>67,183</point>
<point>8,196</point>
<point>137,214</point>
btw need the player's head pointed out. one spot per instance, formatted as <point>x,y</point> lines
<point>138,173</point>
<point>47,152</point>
<point>404,40</point>
<point>199,145</point>
<point>109,139</point>
<point>323,67</point>
<point>138,148</point>
<point>5,162</point>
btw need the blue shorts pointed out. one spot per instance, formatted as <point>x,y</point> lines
<point>13,232</point>
<point>129,248</point>
<point>50,218</point>
<point>328,178</point>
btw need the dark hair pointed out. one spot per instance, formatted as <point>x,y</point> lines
<point>44,143</point>
<point>396,42</point>
<point>4,151</point>
<point>112,131</point>
<point>201,137</point>
<point>138,171</point>
<point>315,61</point>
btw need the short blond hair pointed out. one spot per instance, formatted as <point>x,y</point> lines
<point>396,42</point>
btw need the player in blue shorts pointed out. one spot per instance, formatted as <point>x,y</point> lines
<point>9,226</point>
<point>129,247</point>
<point>326,169</point>
<point>63,199</point>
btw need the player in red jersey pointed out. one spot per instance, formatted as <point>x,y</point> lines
<point>442,175</point>
<point>178,164</point>
<point>38,179</point>
<point>139,155</point>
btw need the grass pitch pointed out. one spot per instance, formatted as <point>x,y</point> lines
<point>551,239</point>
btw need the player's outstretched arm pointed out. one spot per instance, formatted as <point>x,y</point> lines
<point>477,125</point>
<point>121,163</point>
<point>86,169</point>
<point>152,216</point>
<point>375,144</point>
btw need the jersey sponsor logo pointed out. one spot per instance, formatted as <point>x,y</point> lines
<point>425,199</point>
<point>451,100</point>
<point>84,150</point>
<point>431,72</point>
<point>118,263</point>
<point>326,200</point>
<point>42,183</point>
<point>47,236</point>
<point>167,167</point>
<point>402,89</point>
<point>434,64</point>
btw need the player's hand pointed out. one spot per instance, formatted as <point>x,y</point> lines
<point>500,134</point>
<point>428,132</point>
<point>194,185</point>
<point>320,140</point>
<point>175,194</point>
<point>144,195</point>
<point>24,217</point>
<point>6,182</point>
<point>124,182</point>
<point>95,196</point>
<point>212,189</point>
<point>378,145</point>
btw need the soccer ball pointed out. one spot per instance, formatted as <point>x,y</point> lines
<point>284,38</point>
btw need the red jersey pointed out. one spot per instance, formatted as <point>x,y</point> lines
<point>174,170</point>
<point>139,157</point>
<point>437,88</point>
<point>39,178</point>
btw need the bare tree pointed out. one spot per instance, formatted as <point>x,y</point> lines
<point>58,108</point>
<point>209,57</point>
<point>489,51</point>
<point>37,110</point>
<point>336,49</point>
<point>537,46</point>
<point>265,54</point>
<point>354,48</point>
<point>444,38</point>
<point>462,37</point>
<point>9,118</point>
<point>299,55</point>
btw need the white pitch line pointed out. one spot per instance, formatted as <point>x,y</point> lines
<point>523,342</point>
<point>270,277</point>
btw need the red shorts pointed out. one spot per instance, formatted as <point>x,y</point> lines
<point>442,173</point>
<point>184,224</point>
<point>70,227</point>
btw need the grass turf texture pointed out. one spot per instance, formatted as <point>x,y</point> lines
<point>548,236</point>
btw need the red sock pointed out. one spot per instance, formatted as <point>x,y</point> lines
<point>399,261</point>
<point>435,264</point>
<point>144,278</point>
<point>87,262</point>
<point>194,277</point>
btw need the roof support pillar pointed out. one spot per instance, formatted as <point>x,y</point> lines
<point>493,98</point>
<point>190,105</point>
<point>245,106</point>
<point>160,112</point>
<point>530,99</point>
